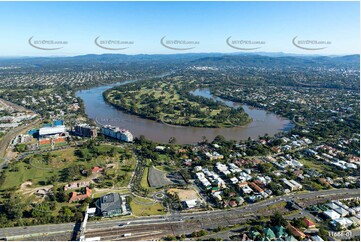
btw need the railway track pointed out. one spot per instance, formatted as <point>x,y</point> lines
<point>306,202</point>
<point>6,140</point>
<point>157,231</point>
<point>138,236</point>
<point>137,232</point>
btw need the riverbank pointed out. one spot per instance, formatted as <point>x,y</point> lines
<point>103,113</point>
<point>173,104</point>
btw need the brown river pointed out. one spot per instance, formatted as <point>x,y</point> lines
<point>103,113</point>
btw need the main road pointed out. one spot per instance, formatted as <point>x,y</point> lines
<point>247,210</point>
<point>9,136</point>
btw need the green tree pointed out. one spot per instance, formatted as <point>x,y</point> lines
<point>277,219</point>
<point>14,207</point>
<point>20,147</point>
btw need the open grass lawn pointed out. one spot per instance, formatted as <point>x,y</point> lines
<point>68,154</point>
<point>146,210</point>
<point>124,171</point>
<point>98,193</point>
<point>107,148</point>
<point>57,159</point>
<point>143,200</point>
<point>24,172</point>
<point>166,168</point>
<point>39,168</point>
<point>144,182</point>
<point>313,165</point>
<point>277,206</point>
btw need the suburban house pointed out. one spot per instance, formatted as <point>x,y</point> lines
<point>296,232</point>
<point>309,223</point>
<point>80,197</point>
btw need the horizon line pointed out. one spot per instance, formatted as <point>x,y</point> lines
<point>188,53</point>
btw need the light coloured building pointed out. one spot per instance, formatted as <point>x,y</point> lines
<point>247,190</point>
<point>127,136</point>
<point>343,222</point>
<point>331,214</point>
<point>191,203</point>
<point>52,130</point>
<point>214,156</point>
<point>289,184</point>
<point>234,180</point>
<point>117,133</point>
<point>52,136</point>
<point>197,168</point>
<point>343,212</point>
<point>332,206</point>
<point>201,177</point>
<point>296,184</point>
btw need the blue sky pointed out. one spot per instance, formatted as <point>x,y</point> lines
<point>209,23</point>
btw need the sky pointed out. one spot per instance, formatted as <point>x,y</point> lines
<point>273,25</point>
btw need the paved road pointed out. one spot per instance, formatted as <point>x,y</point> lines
<point>9,136</point>
<point>5,141</point>
<point>247,209</point>
<point>14,106</point>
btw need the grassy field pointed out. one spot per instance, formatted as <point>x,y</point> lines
<point>123,172</point>
<point>166,168</point>
<point>39,168</point>
<point>144,207</point>
<point>313,165</point>
<point>277,206</point>
<point>97,193</point>
<point>24,172</point>
<point>144,182</point>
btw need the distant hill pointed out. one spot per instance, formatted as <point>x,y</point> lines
<point>351,61</point>
<point>209,59</point>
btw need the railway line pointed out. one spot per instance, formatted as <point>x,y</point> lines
<point>10,135</point>
<point>135,231</point>
<point>156,231</point>
<point>174,224</point>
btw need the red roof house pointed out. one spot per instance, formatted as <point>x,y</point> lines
<point>97,169</point>
<point>79,197</point>
<point>255,187</point>
<point>309,223</point>
<point>296,232</point>
<point>233,203</point>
